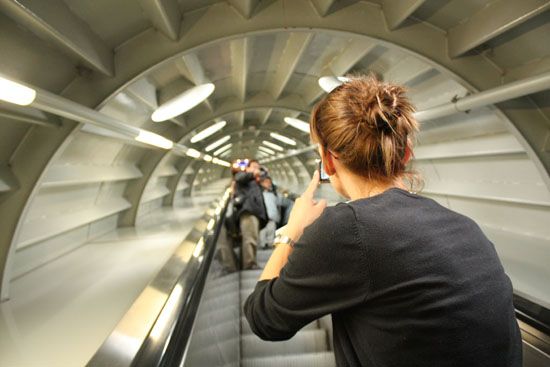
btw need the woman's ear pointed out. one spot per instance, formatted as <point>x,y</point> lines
<point>328,161</point>
<point>408,154</point>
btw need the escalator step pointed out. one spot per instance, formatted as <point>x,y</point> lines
<point>324,359</point>
<point>263,255</point>
<point>251,274</point>
<point>249,283</point>
<point>215,335</point>
<point>213,318</point>
<point>220,301</point>
<point>306,341</point>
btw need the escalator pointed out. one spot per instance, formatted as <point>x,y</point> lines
<point>221,328</point>
<point>191,315</point>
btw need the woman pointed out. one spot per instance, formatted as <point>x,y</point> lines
<point>407,281</point>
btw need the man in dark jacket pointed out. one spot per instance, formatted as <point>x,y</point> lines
<point>252,213</point>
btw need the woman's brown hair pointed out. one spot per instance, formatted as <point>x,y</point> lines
<point>369,125</point>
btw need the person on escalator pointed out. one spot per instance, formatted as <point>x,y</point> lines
<point>408,282</point>
<point>251,212</point>
<point>272,204</point>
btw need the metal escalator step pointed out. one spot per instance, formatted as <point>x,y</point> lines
<point>222,289</point>
<point>323,359</point>
<point>220,301</point>
<point>263,255</point>
<point>306,341</point>
<point>213,318</point>
<point>229,278</point>
<point>249,283</point>
<point>214,354</point>
<point>251,274</point>
<point>245,326</point>
<point>217,334</point>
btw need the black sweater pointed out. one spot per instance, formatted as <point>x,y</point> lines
<point>407,281</point>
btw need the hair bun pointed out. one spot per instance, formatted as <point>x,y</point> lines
<point>370,124</point>
<point>384,123</point>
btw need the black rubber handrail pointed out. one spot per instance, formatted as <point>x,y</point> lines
<point>532,314</point>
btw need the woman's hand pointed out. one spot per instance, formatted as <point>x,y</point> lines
<point>305,211</point>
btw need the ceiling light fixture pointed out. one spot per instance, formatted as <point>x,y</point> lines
<point>193,153</point>
<point>183,102</point>
<point>266,150</point>
<point>13,92</point>
<point>208,131</point>
<point>217,143</point>
<point>328,83</point>
<point>282,138</point>
<point>298,124</point>
<point>273,145</point>
<point>207,158</point>
<point>226,153</point>
<point>150,138</point>
<point>221,162</point>
<point>223,149</point>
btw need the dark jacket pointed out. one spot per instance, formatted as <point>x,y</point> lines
<point>408,283</point>
<point>249,194</point>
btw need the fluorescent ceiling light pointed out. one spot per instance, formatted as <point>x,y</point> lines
<point>183,102</point>
<point>328,83</point>
<point>282,138</point>
<point>207,158</point>
<point>298,124</point>
<point>221,162</point>
<point>193,153</point>
<point>13,92</point>
<point>224,163</point>
<point>273,146</point>
<point>223,149</point>
<point>226,153</point>
<point>217,143</point>
<point>150,138</point>
<point>208,131</point>
<point>266,150</point>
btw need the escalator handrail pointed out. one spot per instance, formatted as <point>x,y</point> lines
<point>169,350</point>
<point>152,330</point>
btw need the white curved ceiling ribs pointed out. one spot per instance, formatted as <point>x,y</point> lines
<point>265,58</point>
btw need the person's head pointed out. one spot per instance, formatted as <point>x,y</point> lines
<point>253,166</point>
<point>266,183</point>
<point>365,128</point>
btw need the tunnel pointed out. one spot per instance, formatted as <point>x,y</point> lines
<point>120,121</point>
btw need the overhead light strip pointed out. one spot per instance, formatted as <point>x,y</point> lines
<point>183,102</point>
<point>16,93</point>
<point>208,131</point>
<point>282,138</point>
<point>266,150</point>
<point>217,143</point>
<point>273,145</point>
<point>298,124</point>
<point>223,149</point>
<point>328,83</point>
<point>148,137</point>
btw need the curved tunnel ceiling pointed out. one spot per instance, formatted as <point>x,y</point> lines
<point>265,58</point>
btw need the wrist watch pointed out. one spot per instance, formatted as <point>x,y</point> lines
<point>283,240</point>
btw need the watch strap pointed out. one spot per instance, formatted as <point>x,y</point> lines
<point>281,239</point>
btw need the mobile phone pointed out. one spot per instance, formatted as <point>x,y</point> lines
<point>323,176</point>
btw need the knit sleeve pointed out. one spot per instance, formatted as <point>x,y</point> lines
<point>326,273</point>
